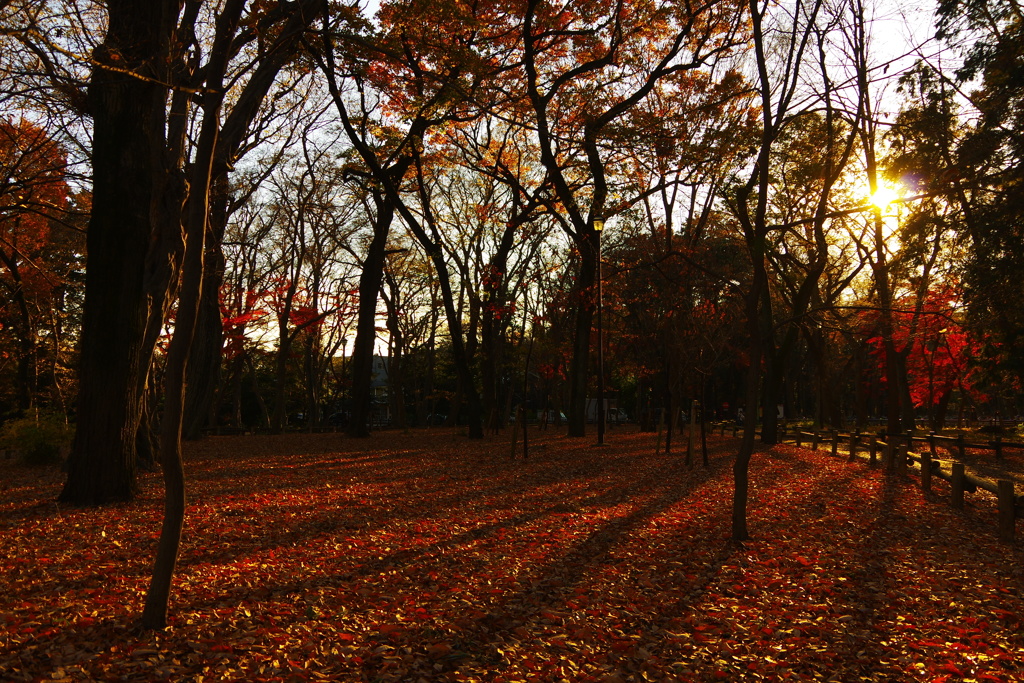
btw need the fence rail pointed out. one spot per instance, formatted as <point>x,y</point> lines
<point>896,454</point>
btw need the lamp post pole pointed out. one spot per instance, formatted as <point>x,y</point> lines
<point>599,229</point>
<point>344,378</point>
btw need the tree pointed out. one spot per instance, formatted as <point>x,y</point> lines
<point>127,96</point>
<point>425,83</point>
<point>492,230</point>
<point>40,248</point>
<point>988,169</point>
<point>567,59</point>
<point>802,31</point>
<point>139,162</point>
<point>938,349</point>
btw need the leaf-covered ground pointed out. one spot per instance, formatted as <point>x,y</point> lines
<point>425,556</point>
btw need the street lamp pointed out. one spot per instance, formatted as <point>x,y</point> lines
<point>344,377</point>
<point>599,228</point>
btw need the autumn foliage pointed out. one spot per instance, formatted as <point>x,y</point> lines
<point>40,266</point>
<point>941,352</point>
<point>422,557</point>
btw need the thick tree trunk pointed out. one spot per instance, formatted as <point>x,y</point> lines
<point>361,362</point>
<point>741,466</point>
<point>128,144</point>
<point>669,405</point>
<point>490,354</point>
<point>579,366</point>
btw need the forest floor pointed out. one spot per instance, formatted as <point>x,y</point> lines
<point>425,556</point>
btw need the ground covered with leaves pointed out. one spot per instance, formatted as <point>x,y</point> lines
<point>425,556</point>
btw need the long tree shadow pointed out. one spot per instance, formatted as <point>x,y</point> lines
<point>412,494</point>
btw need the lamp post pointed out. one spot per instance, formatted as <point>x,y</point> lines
<point>344,377</point>
<point>599,228</point>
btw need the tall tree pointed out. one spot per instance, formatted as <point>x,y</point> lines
<point>572,76</point>
<point>801,29</point>
<point>141,161</point>
<point>127,95</point>
<point>38,243</point>
<point>426,66</point>
<point>989,165</point>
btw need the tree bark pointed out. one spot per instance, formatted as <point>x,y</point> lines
<point>154,614</point>
<point>128,147</point>
<point>361,362</point>
<point>204,366</point>
<point>579,366</point>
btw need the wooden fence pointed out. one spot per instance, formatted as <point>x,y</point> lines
<point>896,453</point>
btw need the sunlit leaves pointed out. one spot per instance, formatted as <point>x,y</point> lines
<point>319,558</point>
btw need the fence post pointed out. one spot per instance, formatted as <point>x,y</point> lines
<point>998,445</point>
<point>854,438</point>
<point>1007,510</point>
<point>797,437</point>
<point>926,471</point>
<point>888,456</point>
<point>815,438</point>
<point>835,442</point>
<point>903,464</point>
<point>960,446</point>
<point>873,444</point>
<point>958,483</point>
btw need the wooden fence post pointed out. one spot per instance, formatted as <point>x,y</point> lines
<point>854,438</point>
<point>903,463</point>
<point>998,445</point>
<point>873,445</point>
<point>960,446</point>
<point>926,471</point>
<point>815,438</point>
<point>888,455</point>
<point>835,442</point>
<point>958,483</point>
<point>797,437</point>
<point>1007,510</point>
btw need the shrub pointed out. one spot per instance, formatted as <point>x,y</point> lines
<point>39,440</point>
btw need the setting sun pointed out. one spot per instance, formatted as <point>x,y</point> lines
<point>884,196</point>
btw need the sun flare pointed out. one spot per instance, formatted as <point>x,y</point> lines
<point>884,196</point>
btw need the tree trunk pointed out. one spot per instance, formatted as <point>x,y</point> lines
<point>204,366</point>
<point>463,371</point>
<point>154,614</point>
<point>128,146</point>
<point>370,281</point>
<point>770,397</point>
<point>279,417</point>
<point>579,366</point>
<point>741,466</point>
